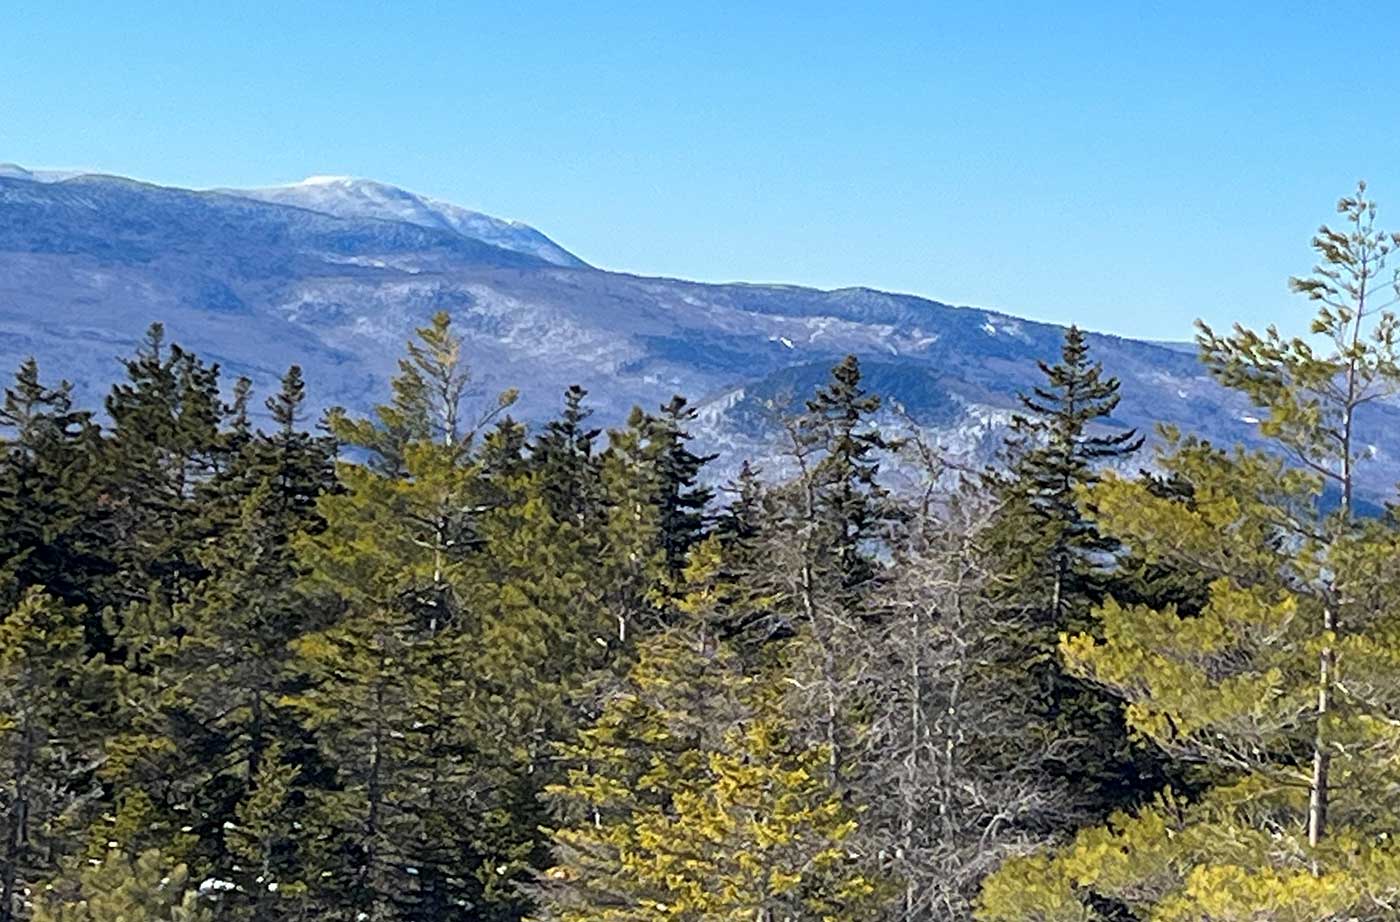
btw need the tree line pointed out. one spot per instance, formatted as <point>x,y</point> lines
<point>433,664</point>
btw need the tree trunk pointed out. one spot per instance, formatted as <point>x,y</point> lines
<point>17,840</point>
<point>1318,793</point>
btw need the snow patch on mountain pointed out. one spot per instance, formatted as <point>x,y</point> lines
<point>350,197</point>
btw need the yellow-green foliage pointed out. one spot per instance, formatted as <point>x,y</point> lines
<point>150,888</point>
<point>688,799</point>
<point>1282,689</point>
<point>1233,690</point>
<point>1226,856</point>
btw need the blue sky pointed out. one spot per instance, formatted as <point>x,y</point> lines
<point>1125,166</point>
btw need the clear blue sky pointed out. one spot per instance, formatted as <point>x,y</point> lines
<point>1128,166</point>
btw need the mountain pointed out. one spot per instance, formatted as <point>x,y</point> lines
<point>335,274</point>
<point>347,197</point>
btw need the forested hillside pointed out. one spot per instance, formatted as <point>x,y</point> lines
<point>435,665</point>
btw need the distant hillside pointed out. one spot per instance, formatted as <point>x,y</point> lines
<point>335,273</point>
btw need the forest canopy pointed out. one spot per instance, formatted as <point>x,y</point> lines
<point>437,664</point>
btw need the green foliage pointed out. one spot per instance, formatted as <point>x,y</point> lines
<point>51,703</point>
<point>475,671</point>
<point>1056,448</point>
<point>48,493</point>
<point>1280,688</point>
<point>150,888</point>
<point>690,799</point>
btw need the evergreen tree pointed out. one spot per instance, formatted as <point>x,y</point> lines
<point>165,443</point>
<point>848,502</point>
<point>151,888</point>
<point>1281,687</point>
<point>1057,563</point>
<point>689,799</point>
<point>1054,453</point>
<point>829,525</point>
<point>681,500</point>
<point>49,534</point>
<point>297,465</point>
<point>631,558</point>
<point>50,735</point>
<point>205,678</point>
<point>420,802</point>
<point>563,456</point>
<point>203,672</point>
<point>272,856</point>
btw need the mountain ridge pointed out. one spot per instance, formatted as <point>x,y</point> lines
<point>87,263</point>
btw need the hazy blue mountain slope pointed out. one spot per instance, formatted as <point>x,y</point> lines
<point>87,263</point>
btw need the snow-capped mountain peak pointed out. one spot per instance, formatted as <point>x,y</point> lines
<point>352,197</point>
<point>325,180</point>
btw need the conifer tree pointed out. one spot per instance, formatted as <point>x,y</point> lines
<point>1282,686</point>
<point>690,799</point>
<point>829,525</point>
<point>1054,452</point>
<point>49,534</point>
<point>203,672</point>
<point>205,677</point>
<point>681,500</point>
<point>631,557</point>
<point>271,856</point>
<point>848,502</point>
<point>164,444</point>
<point>563,456</point>
<point>1057,563</point>
<point>296,464</point>
<point>393,696</point>
<point>50,737</point>
<point>151,888</point>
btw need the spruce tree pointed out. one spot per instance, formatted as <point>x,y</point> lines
<point>563,456</point>
<point>49,518</point>
<point>681,499</point>
<point>1281,688</point>
<point>848,502</point>
<point>203,669</point>
<point>631,557</point>
<point>164,444</point>
<point>420,801</point>
<point>1055,450</point>
<point>1057,563</point>
<point>830,524</point>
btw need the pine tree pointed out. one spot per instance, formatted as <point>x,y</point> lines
<point>1281,687</point>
